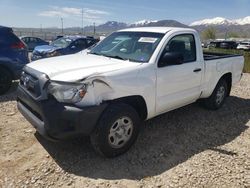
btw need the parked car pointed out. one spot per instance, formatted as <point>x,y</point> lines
<point>32,42</point>
<point>58,36</point>
<point>63,46</point>
<point>244,46</point>
<point>214,44</point>
<point>13,57</point>
<point>228,45</point>
<point>132,75</point>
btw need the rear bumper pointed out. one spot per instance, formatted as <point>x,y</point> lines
<point>56,121</point>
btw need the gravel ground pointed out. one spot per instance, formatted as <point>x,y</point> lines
<point>189,147</point>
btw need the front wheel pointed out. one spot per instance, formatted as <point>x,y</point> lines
<point>116,131</point>
<point>218,97</point>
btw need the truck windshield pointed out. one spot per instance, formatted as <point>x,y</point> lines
<point>132,46</point>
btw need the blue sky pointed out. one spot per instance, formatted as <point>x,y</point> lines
<point>48,13</point>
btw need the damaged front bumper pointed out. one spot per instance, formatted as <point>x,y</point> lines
<point>56,121</point>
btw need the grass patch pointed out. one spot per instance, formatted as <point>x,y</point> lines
<point>244,53</point>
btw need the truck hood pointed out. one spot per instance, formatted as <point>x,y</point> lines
<point>79,66</point>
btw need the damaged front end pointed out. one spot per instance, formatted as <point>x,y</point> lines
<point>89,91</point>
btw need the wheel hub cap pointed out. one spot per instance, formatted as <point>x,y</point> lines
<point>220,95</point>
<point>120,132</point>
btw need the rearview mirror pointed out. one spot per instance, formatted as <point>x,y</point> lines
<point>171,58</point>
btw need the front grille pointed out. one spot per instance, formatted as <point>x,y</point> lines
<point>31,110</point>
<point>31,84</point>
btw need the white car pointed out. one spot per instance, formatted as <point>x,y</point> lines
<point>244,46</point>
<point>131,76</point>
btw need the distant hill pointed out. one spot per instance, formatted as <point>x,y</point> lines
<point>107,27</point>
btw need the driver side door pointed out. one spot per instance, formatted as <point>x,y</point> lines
<point>179,85</point>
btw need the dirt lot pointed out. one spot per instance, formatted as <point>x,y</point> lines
<point>189,147</point>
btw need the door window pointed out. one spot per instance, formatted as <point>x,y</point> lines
<point>80,44</point>
<point>184,44</point>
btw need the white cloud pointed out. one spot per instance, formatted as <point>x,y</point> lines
<point>88,14</point>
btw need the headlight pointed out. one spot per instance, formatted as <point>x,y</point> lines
<point>67,92</point>
<point>52,54</point>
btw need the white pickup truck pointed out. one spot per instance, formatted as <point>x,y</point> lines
<point>131,76</point>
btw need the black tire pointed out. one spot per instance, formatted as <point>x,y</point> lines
<point>216,100</point>
<point>101,138</point>
<point>5,80</point>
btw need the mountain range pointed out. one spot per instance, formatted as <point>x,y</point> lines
<point>111,26</point>
<point>222,21</point>
<point>223,26</point>
<point>238,27</point>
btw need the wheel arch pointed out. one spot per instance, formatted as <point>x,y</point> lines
<point>228,78</point>
<point>137,102</point>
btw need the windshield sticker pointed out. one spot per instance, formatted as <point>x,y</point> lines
<point>147,39</point>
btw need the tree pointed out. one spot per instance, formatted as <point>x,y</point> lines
<point>209,33</point>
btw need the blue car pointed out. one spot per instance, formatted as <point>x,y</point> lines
<point>13,57</point>
<point>63,46</point>
<point>32,42</point>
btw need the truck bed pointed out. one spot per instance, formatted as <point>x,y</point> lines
<point>213,55</point>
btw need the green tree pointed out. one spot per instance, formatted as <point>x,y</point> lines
<point>209,33</point>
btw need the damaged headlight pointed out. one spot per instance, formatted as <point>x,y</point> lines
<point>67,92</point>
<point>53,54</point>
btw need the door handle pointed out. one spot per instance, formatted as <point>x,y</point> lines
<point>197,70</point>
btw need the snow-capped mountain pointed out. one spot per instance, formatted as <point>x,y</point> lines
<point>243,21</point>
<point>159,23</point>
<point>222,21</point>
<point>111,26</point>
<point>144,22</point>
<point>213,21</point>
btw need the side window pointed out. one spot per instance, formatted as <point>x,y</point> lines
<point>80,44</point>
<point>26,39</point>
<point>32,39</point>
<point>89,42</point>
<point>184,44</point>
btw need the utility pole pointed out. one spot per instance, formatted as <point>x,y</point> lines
<point>62,25</point>
<point>82,21</point>
<point>94,28</point>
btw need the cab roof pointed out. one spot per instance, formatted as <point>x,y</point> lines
<point>156,29</point>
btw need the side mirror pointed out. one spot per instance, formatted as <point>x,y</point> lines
<point>171,58</point>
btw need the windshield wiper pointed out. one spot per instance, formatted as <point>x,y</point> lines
<point>115,57</point>
<point>94,53</point>
<point>111,56</point>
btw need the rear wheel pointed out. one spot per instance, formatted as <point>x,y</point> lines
<point>218,97</point>
<point>116,131</point>
<point>5,80</point>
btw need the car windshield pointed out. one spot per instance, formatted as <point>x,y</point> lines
<point>61,42</point>
<point>132,46</point>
